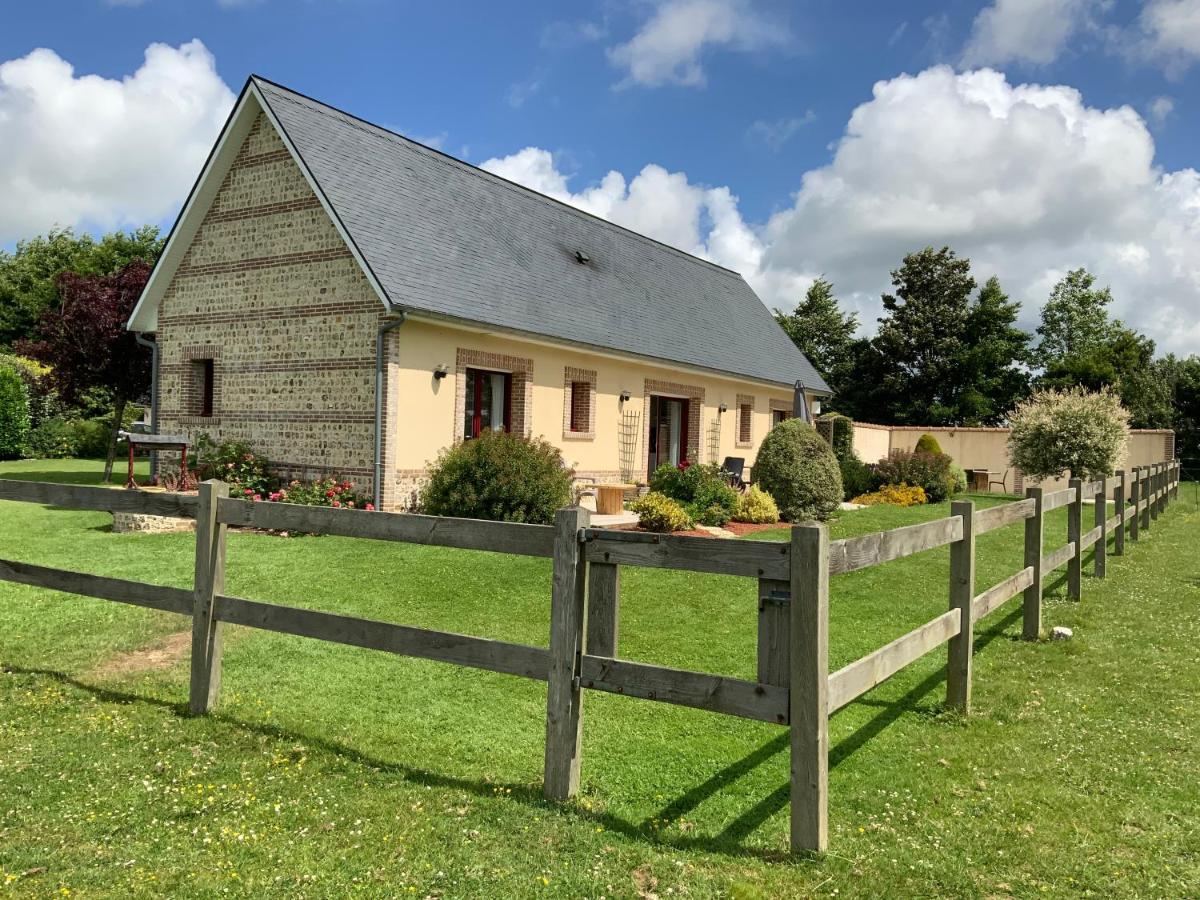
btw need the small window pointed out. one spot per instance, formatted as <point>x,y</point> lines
<point>202,387</point>
<point>488,402</point>
<point>779,415</point>
<point>581,406</point>
<point>745,415</point>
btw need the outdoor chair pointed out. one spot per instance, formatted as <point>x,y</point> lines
<point>1002,482</point>
<point>734,468</point>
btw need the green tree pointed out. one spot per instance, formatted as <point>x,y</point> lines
<point>994,373</point>
<point>29,274</point>
<point>923,336</point>
<point>1073,430</point>
<point>822,331</point>
<point>1074,320</point>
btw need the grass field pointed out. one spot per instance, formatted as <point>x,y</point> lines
<point>331,771</point>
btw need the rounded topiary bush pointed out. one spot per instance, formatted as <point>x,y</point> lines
<point>498,476</point>
<point>927,443</point>
<point>14,414</point>
<point>796,466</point>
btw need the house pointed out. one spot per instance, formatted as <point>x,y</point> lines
<point>351,302</point>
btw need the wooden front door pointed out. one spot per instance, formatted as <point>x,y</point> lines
<point>668,432</point>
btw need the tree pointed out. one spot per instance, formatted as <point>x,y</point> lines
<point>14,413</point>
<point>994,373</point>
<point>1072,430</point>
<point>1075,318</point>
<point>85,342</point>
<point>28,275</point>
<point>822,331</point>
<point>922,335</point>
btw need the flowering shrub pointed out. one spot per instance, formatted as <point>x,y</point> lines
<point>701,488</point>
<point>1058,431</point>
<point>658,512</point>
<point>333,491</point>
<point>932,471</point>
<point>756,506</point>
<point>235,463</point>
<point>893,495</point>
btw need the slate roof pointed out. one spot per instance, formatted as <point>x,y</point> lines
<point>447,238</point>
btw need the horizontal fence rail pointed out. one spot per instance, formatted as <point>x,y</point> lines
<point>794,687</point>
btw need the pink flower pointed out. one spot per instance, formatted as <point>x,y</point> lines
<point>350,503</point>
<point>248,492</point>
<point>337,504</point>
<point>370,507</point>
<point>275,496</point>
<point>257,498</point>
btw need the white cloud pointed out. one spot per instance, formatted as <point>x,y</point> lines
<point>1160,110</point>
<point>669,46</point>
<point>92,151</point>
<point>1170,33</point>
<point>1026,31</point>
<point>1026,180</point>
<point>777,133</point>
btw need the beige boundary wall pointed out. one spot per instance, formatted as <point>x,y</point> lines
<point>987,448</point>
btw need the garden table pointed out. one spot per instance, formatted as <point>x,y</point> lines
<point>158,442</point>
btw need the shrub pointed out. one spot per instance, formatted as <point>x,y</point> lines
<point>43,399</point>
<point>839,431</point>
<point>702,489</point>
<point>498,476</point>
<point>927,443</point>
<point>929,470</point>
<point>757,507</point>
<point>234,462</point>
<point>893,495</point>
<point>14,414</point>
<point>797,467</point>
<point>958,478</point>
<point>1072,430</point>
<point>91,437</point>
<point>857,476</point>
<point>658,512</point>
<point>53,438</point>
<point>333,491</point>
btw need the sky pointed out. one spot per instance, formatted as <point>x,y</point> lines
<point>783,140</point>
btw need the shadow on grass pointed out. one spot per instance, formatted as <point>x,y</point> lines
<point>728,842</point>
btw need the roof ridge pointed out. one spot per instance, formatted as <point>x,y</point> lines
<point>447,159</point>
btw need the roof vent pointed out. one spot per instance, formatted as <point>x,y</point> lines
<point>582,258</point>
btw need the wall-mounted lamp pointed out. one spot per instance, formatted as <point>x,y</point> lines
<point>441,372</point>
<point>625,395</point>
<point>724,407</point>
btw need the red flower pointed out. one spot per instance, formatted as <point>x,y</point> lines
<point>337,504</point>
<point>331,493</point>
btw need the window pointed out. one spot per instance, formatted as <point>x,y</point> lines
<point>202,388</point>
<point>581,406</point>
<point>488,402</point>
<point>779,415</point>
<point>745,419</point>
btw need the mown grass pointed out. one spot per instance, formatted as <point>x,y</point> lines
<point>331,770</point>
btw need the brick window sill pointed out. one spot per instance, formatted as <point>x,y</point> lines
<point>738,445</point>
<point>199,420</point>
<point>579,435</point>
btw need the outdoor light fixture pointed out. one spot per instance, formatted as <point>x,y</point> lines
<point>724,407</point>
<point>441,372</point>
<point>625,395</point>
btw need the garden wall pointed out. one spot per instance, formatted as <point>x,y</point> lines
<point>987,448</point>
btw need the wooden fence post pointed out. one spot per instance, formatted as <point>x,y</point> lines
<point>205,684</point>
<point>1154,492</point>
<point>603,608</point>
<point>1031,629</point>
<point>1101,520</point>
<point>809,687</point>
<point>1074,532</point>
<point>1147,495</point>
<point>962,593</point>
<point>1135,497</point>
<point>774,631</point>
<point>568,624</point>
<point>1119,503</point>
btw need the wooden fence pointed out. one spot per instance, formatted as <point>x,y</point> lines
<point>793,686</point>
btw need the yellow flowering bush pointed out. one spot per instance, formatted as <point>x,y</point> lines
<point>893,495</point>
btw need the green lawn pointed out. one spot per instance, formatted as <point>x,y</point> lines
<point>332,770</point>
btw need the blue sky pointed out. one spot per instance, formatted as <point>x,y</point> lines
<point>742,109</point>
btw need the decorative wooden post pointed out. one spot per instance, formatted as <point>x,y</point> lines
<point>603,608</point>
<point>962,593</point>
<point>1119,503</point>
<point>774,631</point>
<point>568,617</point>
<point>1101,519</point>
<point>1031,629</point>
<point>209,581</point>
<point>1147,495</point>
<point>809,681</point>
<point>1074,532</point>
